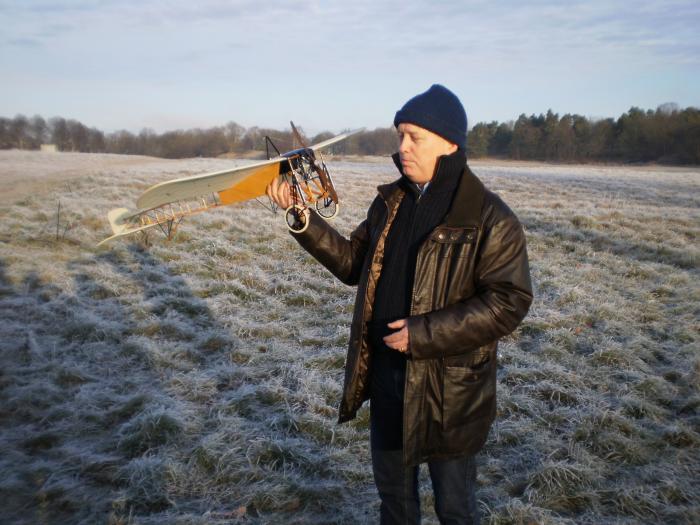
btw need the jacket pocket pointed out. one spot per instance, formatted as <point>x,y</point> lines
<point>454,242</point>
<point>469,388</point>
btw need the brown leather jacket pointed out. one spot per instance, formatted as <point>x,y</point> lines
<point>471,287</point>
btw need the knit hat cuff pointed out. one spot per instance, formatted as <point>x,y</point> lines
<point>432,123</point>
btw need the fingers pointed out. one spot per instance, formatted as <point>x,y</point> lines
<point>286,194</point>
<point>397,337</point>
<point>398,340</point>
<point>273,191</point>
<point>279,192</point>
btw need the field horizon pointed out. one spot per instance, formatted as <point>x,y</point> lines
<point>196,381</point>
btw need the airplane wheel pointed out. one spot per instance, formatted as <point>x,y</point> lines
<point>326,210</point>
<point>297,218</point>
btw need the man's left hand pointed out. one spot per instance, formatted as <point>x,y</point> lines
<point>399,339</point>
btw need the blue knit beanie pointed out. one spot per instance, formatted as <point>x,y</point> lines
<point>438,110</point>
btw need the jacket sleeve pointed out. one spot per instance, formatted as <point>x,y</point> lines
<point>343,257</point>
<point>503,294</point>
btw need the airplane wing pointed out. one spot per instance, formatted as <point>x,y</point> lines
<point>234,185</point>
<point>166,204</point>
<point>120,220</point>
<point>335,139</point>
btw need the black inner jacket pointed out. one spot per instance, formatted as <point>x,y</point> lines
<point>417,216</point>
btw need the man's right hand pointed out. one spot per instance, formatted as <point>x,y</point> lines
<point>280,192</point>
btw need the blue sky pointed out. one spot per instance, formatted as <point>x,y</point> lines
<point>332,65</point>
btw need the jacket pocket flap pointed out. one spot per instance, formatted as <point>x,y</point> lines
<point>454,235</point>
<point>476,360</point>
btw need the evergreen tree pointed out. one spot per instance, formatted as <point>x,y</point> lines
<point>668,134</point>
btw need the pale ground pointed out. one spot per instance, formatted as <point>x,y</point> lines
<point>196,381</point>
<point>25,172</point>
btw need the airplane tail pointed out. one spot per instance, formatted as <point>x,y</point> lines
<point>116,218</point>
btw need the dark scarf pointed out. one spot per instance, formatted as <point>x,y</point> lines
<point>417,216</point>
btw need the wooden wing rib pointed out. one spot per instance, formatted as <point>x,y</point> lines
<point>245,181</point>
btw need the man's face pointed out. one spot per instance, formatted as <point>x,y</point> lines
<point>419,150</point>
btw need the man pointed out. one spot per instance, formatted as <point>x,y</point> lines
<point>442,274</point>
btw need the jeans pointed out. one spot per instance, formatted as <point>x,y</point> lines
<point>454,487</point>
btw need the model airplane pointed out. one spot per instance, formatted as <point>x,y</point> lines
<point>166,204</point>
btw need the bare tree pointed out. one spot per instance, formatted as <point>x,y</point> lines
<point>19,132</point>
<point>38,131</point>
<point>5,138</point>
<point>59,133</point>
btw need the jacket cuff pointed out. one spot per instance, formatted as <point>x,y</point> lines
<point>414,325</point>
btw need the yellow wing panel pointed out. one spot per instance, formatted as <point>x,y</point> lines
<point>193,187</point>
<point>251,187</point>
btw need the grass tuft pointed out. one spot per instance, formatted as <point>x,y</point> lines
<point>148,430</point>
<point>149,483</point>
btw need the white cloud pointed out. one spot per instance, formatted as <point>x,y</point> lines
<point>362,56</point>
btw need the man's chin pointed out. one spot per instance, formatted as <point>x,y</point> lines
<point>409,171</point>
<point>411,175</point>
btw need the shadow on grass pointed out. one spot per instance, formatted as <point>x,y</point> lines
<point>123,395</point>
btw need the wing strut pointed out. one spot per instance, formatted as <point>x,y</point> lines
<point>268,143</point>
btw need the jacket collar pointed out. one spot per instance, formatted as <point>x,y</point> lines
<point>469,195</point>
<point>468,202</point>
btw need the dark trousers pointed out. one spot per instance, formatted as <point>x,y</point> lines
<point>454,480</point>
<point>454,487</point>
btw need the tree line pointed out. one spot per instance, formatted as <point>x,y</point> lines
<point>666,135</point>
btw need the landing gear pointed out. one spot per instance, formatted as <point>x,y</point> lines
<point>327,208</point>
<point>297,217</point>
<point>310,183</point>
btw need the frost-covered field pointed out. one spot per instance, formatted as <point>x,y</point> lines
<point>196,381</point>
